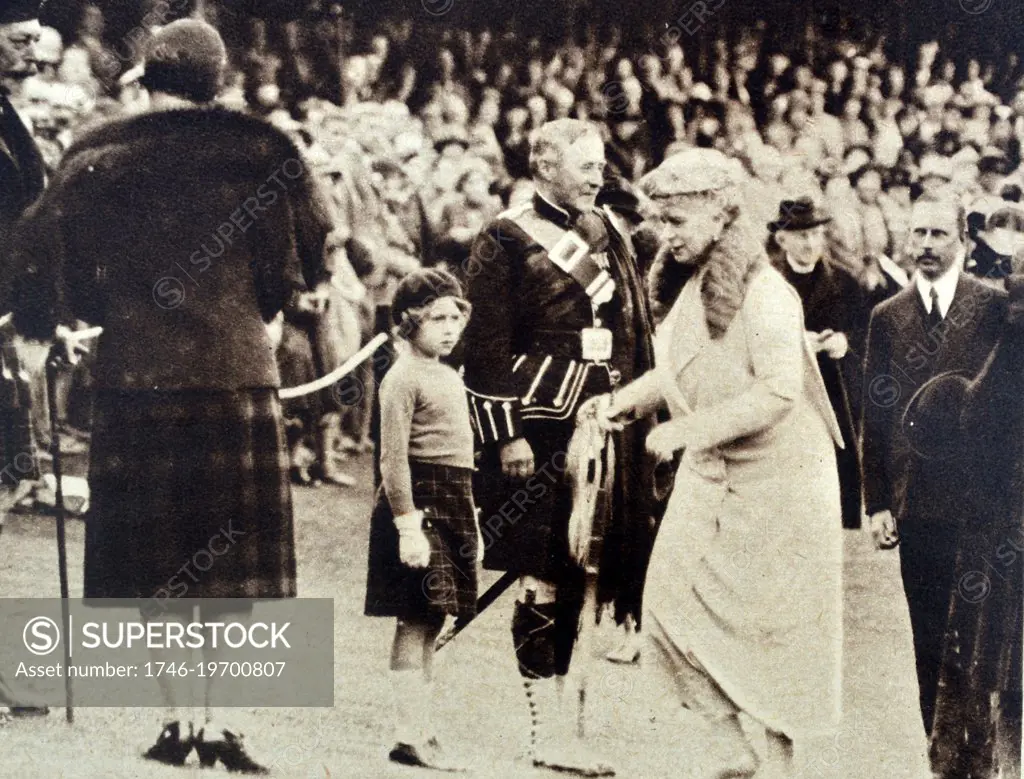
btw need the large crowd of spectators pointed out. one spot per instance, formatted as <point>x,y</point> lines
<point>420,144</point>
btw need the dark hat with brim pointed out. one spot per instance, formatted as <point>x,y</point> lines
<point>619,195</point>
<point>931,422</point>
<point>14,11</point>
<point>800,214</point>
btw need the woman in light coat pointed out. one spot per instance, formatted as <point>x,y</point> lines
<point>744,586</point>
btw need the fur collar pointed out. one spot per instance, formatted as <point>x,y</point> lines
<point>731,263</point>
<point>199,128</point>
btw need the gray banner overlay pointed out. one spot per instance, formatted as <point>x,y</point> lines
<point>123,651</point>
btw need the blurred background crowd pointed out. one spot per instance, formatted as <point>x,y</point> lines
<point>418,121</point>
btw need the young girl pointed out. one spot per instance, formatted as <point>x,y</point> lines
<point>423,534</point>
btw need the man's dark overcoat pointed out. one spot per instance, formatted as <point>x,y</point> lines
<point>977,730</point>
<point>923,493</point>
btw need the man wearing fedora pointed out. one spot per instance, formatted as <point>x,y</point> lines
<point>835,316</point>
<point>945,320</point>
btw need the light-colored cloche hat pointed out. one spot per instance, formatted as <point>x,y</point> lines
<point>692,171</point>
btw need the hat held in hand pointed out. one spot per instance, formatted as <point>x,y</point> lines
<point>931,422</point>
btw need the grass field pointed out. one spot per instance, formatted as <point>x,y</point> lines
<point>631,716</point>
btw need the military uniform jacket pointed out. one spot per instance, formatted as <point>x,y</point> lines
<point>526,376</point>
<point>524,355</point>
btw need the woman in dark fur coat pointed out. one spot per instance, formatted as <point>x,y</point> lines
<point>181,231</point>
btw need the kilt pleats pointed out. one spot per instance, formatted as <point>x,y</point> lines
<point>448,584</point>
<point>189,496</point>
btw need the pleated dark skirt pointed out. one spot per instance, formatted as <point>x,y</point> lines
<point>189,496</point>
<point>448,585</point>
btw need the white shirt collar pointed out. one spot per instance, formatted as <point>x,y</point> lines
<point>945,287</point>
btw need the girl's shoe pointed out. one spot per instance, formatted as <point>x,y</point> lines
<point>228,749</point>
<point>170,748</point>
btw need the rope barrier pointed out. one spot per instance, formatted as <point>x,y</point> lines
<point>286,393</point>
<point>338,373</point>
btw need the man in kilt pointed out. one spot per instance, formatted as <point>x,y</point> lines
<point>559,316</point>
<point>22,177</point>
<point>181,231</point>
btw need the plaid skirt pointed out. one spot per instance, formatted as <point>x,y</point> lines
<point>448,585</point>
<point>189,496</point>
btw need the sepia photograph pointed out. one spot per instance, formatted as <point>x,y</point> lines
<point>406,388</point>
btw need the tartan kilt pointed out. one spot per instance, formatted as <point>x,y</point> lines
<point>448,585</point>
<point>189,496</point>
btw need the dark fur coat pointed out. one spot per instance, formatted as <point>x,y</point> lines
<point>180,232</point>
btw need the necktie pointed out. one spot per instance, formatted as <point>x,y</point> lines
<point>935,317</point>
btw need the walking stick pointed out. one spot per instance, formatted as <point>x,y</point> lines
<point>53,365</point>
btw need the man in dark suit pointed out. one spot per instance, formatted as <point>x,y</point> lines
<point>835,316</point>
<point>559,316</point>
<point>977,727</point>
<point>944,321</point>
<point>21,182</point>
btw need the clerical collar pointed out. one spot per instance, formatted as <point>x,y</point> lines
<point>799,270</point>
<point>551,212</point>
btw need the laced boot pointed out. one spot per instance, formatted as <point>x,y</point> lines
<point>553,742</point>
